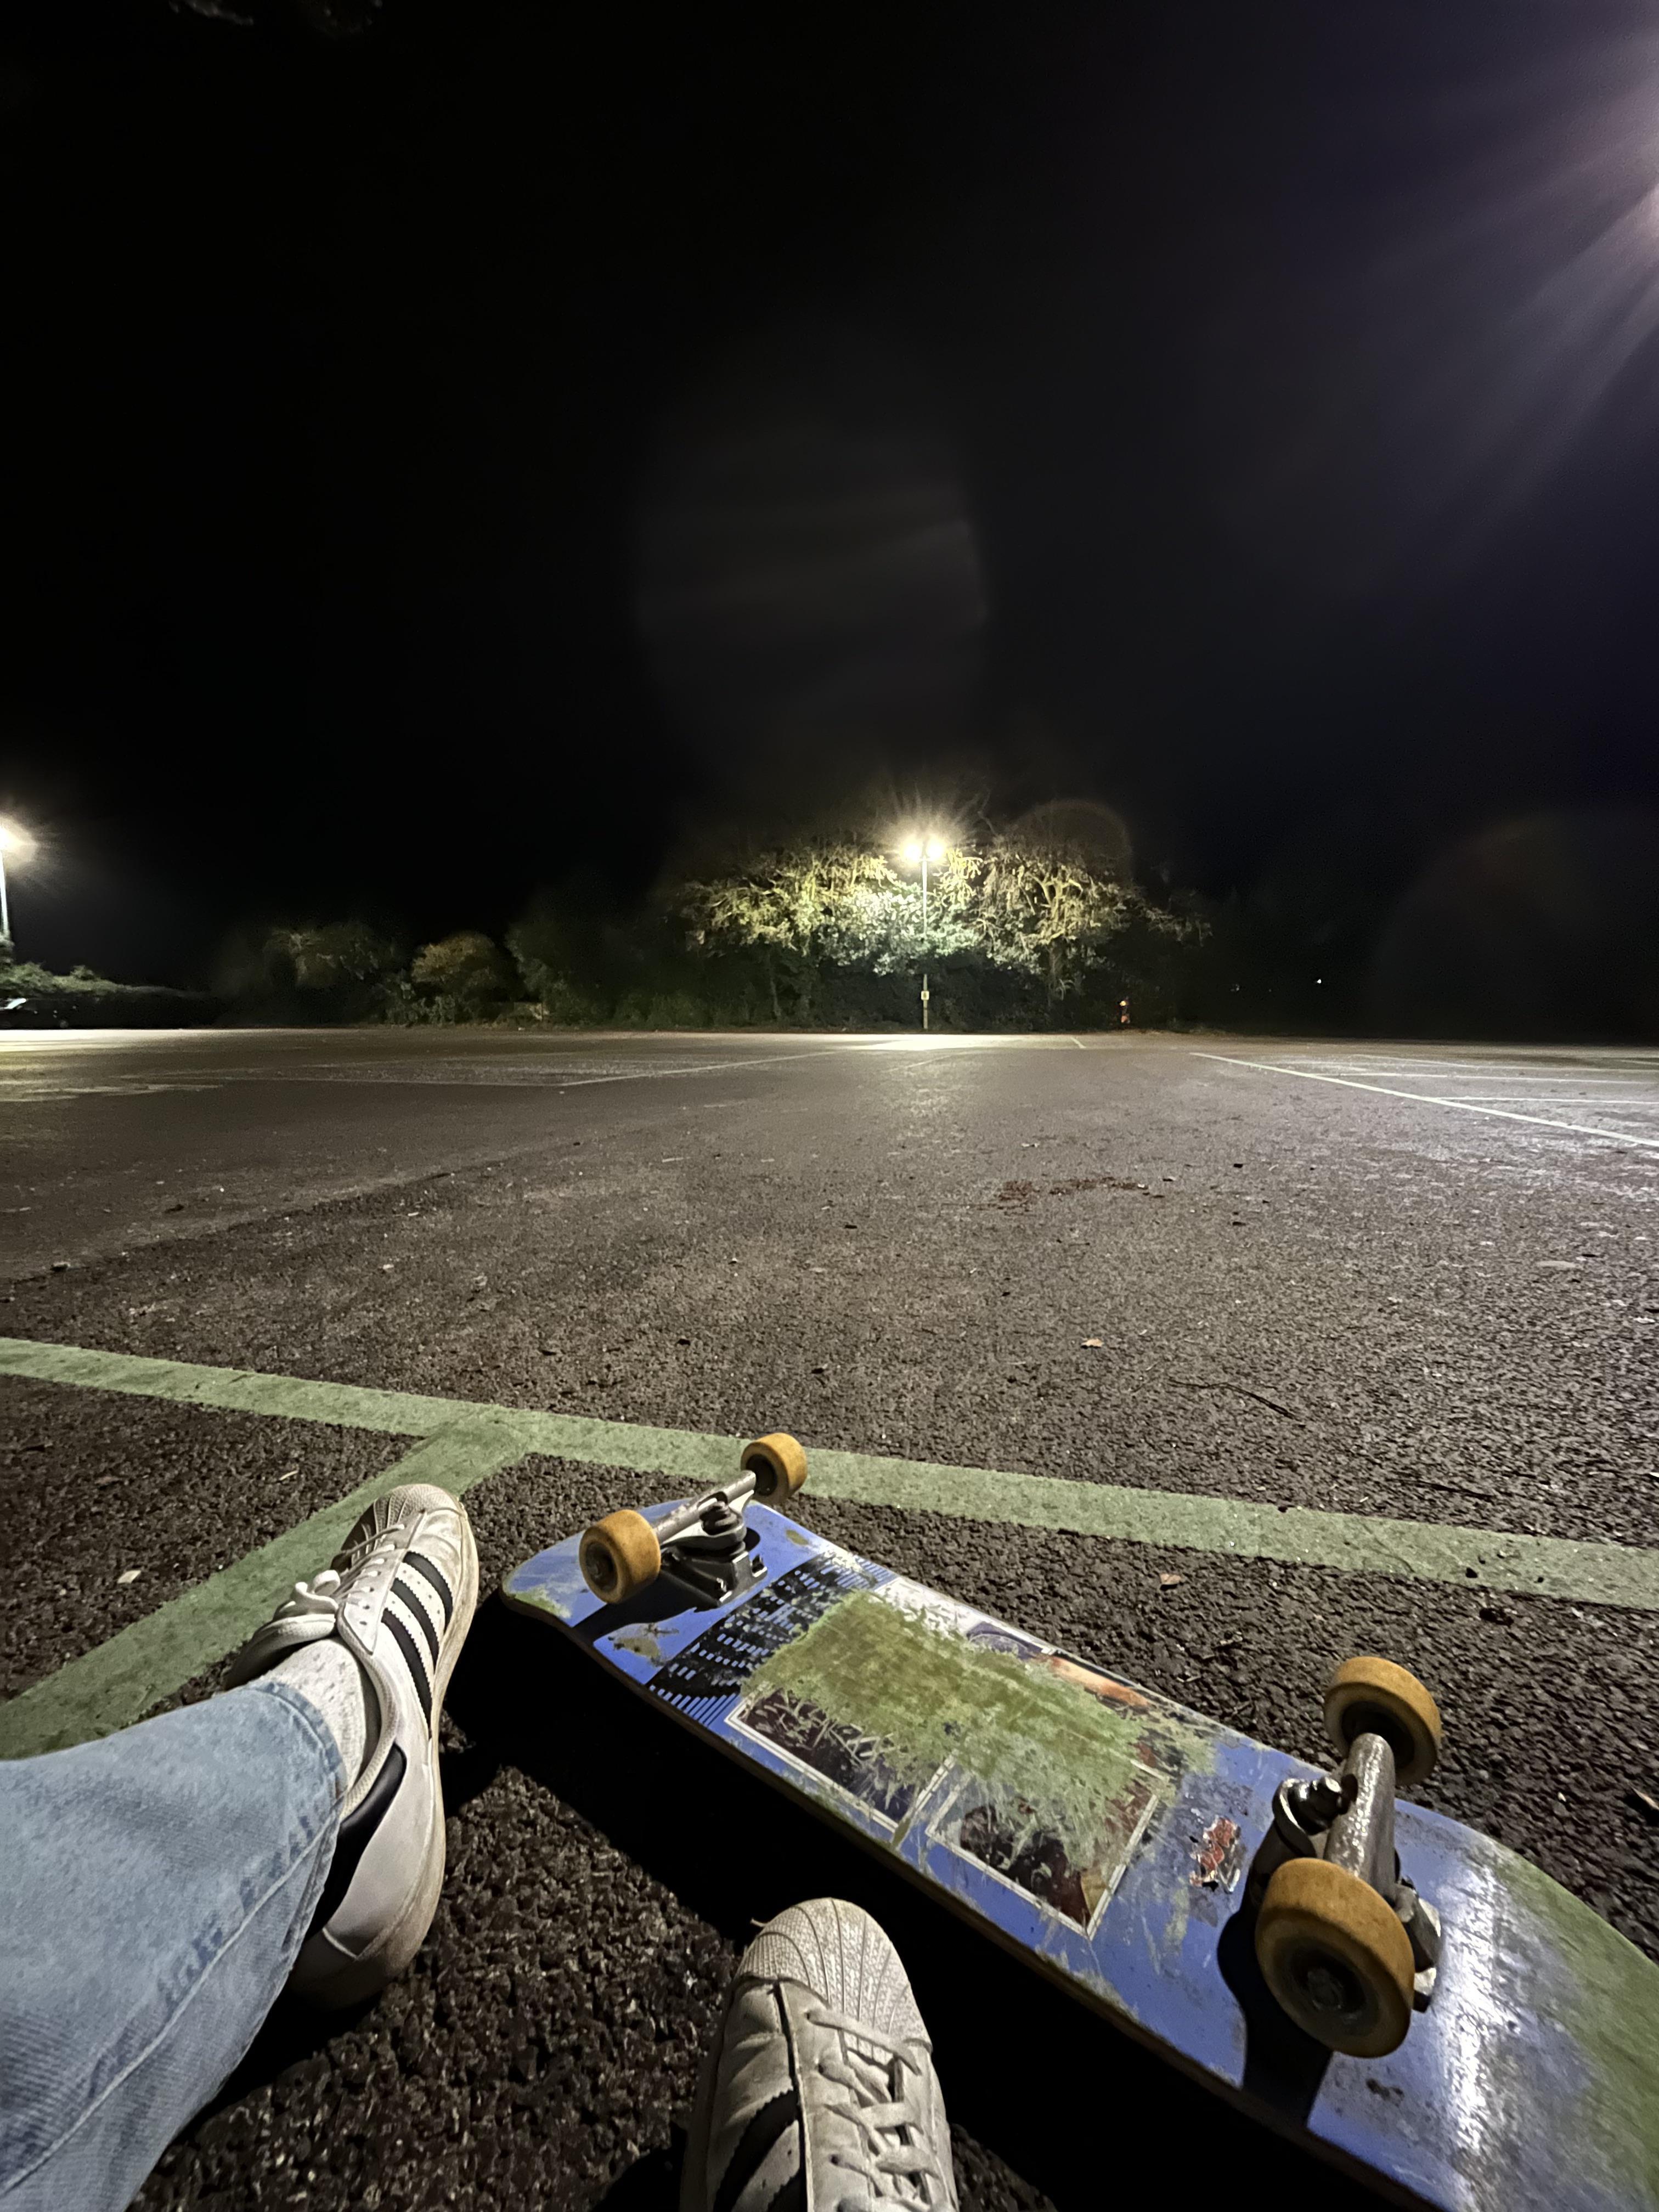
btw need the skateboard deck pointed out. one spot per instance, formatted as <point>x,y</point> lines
<point>1105,1833</point>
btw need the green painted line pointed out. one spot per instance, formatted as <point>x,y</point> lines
<point>123,1679</point>
<point>1299,1535</point>
<point>228,1390</point>
<point>630,1444</point>
<point>1430,1550</point>
<point>468,1441</point>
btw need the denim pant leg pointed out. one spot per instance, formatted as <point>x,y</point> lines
<point>155,1889</point>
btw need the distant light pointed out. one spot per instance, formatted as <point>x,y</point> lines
<point>14,840</point>
<point>935,849</point>
<point>910,852</point>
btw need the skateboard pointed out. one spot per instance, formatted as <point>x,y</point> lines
<point>1400,1993</point>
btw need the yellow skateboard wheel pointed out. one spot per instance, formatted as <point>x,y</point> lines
<point>778,1464</point>
<point>1336,1957</point>
<point>1374,1697</point>
<point>620,1555</point>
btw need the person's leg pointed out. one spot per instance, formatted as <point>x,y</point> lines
<point>818,2090</point>
<point>157,1887</point>
<point>160,1887</point>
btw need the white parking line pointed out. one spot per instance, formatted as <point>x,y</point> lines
<point>1484,1070</point>
<point>1429,1099</point>
<point>1643,1105</point>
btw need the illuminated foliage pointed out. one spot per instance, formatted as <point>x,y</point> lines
<point>801,906</point>
<point>1044,907</point>
<point>1020,923</point>
<point>1035,905</point>
<point>467,971</point>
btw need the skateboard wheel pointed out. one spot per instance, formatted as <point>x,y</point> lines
<point>620,1555</point>
<point>1374,1697</point>
<point>778,1464</point>
<point>1336,1957</point>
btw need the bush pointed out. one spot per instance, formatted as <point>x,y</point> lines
<point>662,1010</point>
<point>562,1004</point>
<point>560,955</point>
<point>85,999</point>
<point>466,971</point>
<point>311,972</point>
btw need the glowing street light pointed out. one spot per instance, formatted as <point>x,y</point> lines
<point>923,852</point>
<point>19,845</point>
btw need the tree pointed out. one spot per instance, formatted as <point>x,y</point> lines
<point>1046,906</point>
<point>573,960</point>
<point>800,907</point>
<point>1043,908</point>
<point>326,956</point>
<point>1033,901</point>
<point>466,975</point>
<point>880,926</point>
<point>333,971</point>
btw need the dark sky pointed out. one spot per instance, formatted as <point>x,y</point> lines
<point>508,440</point>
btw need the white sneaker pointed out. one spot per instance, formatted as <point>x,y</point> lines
<point>820,2093</point>
<point>400,1595</point>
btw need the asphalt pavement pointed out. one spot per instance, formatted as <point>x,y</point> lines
<point>1385,1283</point>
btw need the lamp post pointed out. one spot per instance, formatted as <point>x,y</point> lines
<point>924,849</point>
<point>14,840</point>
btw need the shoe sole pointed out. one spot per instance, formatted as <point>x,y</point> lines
<point>367,1974</point>
<point>694,2173</point>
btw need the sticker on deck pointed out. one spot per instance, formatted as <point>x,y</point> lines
<point>1066,1858</point>
<point>849,1758</point>
<point>1010,1839</point>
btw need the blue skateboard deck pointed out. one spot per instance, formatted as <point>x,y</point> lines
<point>1105,1833</point>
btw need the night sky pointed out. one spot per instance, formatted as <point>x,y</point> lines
<point>520,438</point>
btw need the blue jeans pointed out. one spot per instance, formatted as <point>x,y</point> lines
<point>154,1890</point>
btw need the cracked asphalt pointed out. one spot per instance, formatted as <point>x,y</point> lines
<point>1110,1259</point>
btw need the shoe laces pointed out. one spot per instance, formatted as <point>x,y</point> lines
<point>885,2105</point>
<point>320,1594</point>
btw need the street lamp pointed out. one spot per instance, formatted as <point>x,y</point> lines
<point>926,850</point>
<point>19,845</point>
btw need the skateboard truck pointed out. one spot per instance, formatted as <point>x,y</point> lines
<point>1347,1820</point>
<point>1345,1943</point>
<point>704,1545</point>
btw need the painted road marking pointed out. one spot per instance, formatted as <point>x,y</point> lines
<point>1601,1101</point>
<point>1421,1070</point>
<point>1429,1098</point>
<point>120,1680</point>
<point>779,1060</point>
<point>631,1445</point>
<point>1489,1071</point>
<point>468,1441</point>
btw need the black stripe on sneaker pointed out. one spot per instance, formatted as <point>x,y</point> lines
<point>423,1565</point>
<point>753,2147</point>
<point>411,1652</point>
<point>410,1597</point>
<point>353,1841</point>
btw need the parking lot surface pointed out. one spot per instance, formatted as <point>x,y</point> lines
<point>1319,1347</point>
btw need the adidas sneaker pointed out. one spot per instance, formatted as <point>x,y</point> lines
<point>819,2094</point>
<point>400,1597</point>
